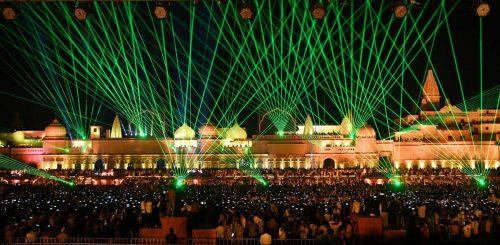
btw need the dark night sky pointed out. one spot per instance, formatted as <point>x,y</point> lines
<point>464,26</point>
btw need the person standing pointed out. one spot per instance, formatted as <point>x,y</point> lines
<point>62,237</point>
<point>425,233</point>
<point>31,236</point>
<point>238,230</point>
<point>467,231</point>
<point>143,213</point>
<point>220,232</point>
<point>454,230</point>
<point>421,211</point>
<point>171,202</point>
<point>253,229</point>
<point>171,237</point>
<point>356,206</point>
<point>282,232</point>
<point>383,213</point>
<point>149,213</point>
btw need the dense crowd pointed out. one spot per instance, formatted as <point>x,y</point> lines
<point>296,209</point>
<point>287,172</point>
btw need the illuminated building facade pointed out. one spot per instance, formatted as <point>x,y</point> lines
<point>437,136</point>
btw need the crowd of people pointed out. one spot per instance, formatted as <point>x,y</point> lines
<point>449,208</point>
<point>287,172</point>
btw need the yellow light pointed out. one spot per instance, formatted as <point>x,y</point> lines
<point>9,13</point>
<point>482,9</point>
<point>81,13</point>
<point>160,11</point>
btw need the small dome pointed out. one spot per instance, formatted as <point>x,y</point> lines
<point>236,132</point>
<point>184,132</point>
<point>208,130</point>
<point>18,136</point>
<point>366,131</point>
<point>308,126</point>
<point>55,130</point>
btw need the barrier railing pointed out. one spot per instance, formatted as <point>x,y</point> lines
<point>158,241</point>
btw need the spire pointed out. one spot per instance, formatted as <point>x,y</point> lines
<point>17,123</point>
<point>308,126</point>
<point>116,129</point>
<point>430,93</point>
<point>448,103</point>
<point>346,125</point>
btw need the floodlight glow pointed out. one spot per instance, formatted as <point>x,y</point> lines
<point>397,183</point>
<point>352,135</point>
<point>81,13</point>
<point>160,11</point>
<point>179,183</point>
<point>482,182</point>
<point>9,13</point>
<point>246,11</point>
<point>318,11</point>
<point>482,9</point>
<point>400,9</point>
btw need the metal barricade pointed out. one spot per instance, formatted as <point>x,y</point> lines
<point>155,241</point>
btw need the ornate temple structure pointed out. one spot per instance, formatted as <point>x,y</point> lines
<point>437,136</point>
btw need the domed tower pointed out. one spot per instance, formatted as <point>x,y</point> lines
<point>55,130</point>
<point>366,139</point>
<point>55,140</point>
<point>308,126</point>
<point>208,131</point>
<point>185,137</point>
<point>236,136</point>
<point>116,129</point>
<point>430,94</point>
<point>208,138</point>
<point>346,126</point>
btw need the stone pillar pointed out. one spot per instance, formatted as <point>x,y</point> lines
<point>307,163</point>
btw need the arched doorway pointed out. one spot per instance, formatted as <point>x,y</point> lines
<point>329,163</point>
<point>99,165</point>
<point>260,164</point>
<point>160,164</point>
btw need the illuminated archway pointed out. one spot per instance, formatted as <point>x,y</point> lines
<point>329,163</point>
